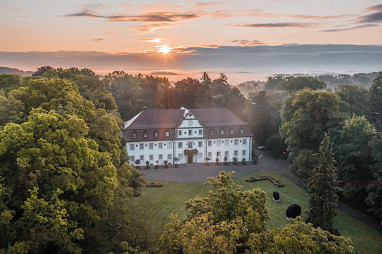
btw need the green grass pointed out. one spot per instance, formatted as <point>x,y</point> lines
<point>158,203</point>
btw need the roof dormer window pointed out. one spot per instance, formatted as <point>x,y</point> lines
<point>241,131</point>
<point>232,131</point>
<point>221,131</point>
<point>212,132</point>
<point>167,133</point>
<point>134,134</point>
<point>156,134</point>
<point>145,134</point>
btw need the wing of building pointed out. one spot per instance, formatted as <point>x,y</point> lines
<point>191,135</point>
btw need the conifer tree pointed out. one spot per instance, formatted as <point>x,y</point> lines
<point>323,188</point>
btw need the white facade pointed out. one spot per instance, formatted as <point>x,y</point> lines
<point>190,144</point>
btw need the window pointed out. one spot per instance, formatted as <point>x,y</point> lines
<point>156,134</point>
<point>219,143</point>
<point>189,132</point>
<point>160,157</point>
<point>167,133</point>
<point>160,145</point>
<point>241,131</point>
<point>151,146</point>
<point>180,145</point>
<point>244,141</point>
<point>209,143</point>
<point>199,156</point>
<point>222,132</point>
<point>200,132</point>
<point>226,142</point>
<point>189,144</point>
<point>236,142</point>
<point>244,152</point>
<point>200,144</point>
<point>217,154</point>
<point>141,158</point>
<point>131,147</point>
<point>145,134</point>
<point>189,122</point>
<point>169,156</point>
<point>132,158</point>
<point>235,153</point>
<point>169,145</point>
<point>212,132</point>
<point>209,155</point>
<point>134,134</point>
<point>226,154</point>
<point>151,157</point>
<point>232,132</point>
<point>141,146</point>
<point>179,133</point>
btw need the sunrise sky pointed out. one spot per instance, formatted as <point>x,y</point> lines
<point>247,37</point>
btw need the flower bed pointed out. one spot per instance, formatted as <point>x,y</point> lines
<point>275,181</point>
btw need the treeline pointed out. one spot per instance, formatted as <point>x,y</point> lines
<point>351,117</point>
<point>133,93</point>
<point>65,182</point>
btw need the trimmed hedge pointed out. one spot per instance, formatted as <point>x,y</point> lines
<point>270,178</point>
<point>155,185</point>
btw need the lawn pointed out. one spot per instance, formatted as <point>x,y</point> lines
<point>158,203</point>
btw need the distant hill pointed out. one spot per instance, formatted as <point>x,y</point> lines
<point>9,70</point>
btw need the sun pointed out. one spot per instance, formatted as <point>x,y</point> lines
<point>164,49</point>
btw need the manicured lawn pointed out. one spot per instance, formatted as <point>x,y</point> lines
<point>158,203</point>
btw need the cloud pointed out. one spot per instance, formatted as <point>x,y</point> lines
<point>153,20</point>
<point>163,73</point>
<point>98,39</point>
<point>248,42</point>
<point>278,25</point>
<point>267,59</point>
<point>375,8</point>
<point>349,28</point>
<point>153,40</point>
<point>374,17</point>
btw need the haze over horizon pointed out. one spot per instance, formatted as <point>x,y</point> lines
<point>244,39</point>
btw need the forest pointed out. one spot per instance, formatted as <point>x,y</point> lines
<point>66,184</point>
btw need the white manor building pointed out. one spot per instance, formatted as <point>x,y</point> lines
<point>189,135</point>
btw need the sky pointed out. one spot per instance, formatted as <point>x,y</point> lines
<point>246,39</point>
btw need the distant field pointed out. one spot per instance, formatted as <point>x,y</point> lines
<point>158,203</point>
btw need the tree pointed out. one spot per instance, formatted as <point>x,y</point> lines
<point>323,187</point>
<point>186,92</point>
<point>354,158</point>
<point>374,188</point>
<point>305,116</point>
<point>375,103</point>
<point>299,237</point>
<point>354,99</point>
<point>294,84</point>
<point>264,117</point>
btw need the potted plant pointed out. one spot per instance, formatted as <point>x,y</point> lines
<point>165,162</point>
<point>217,161</point>
<point>234,161</point>
<point>243,161</point>
<point>137,162</point>
<point>225,161</point>
<point>147,165</point>
<point>207,163</point>
<point>176,162</point>
<point>157,164</point>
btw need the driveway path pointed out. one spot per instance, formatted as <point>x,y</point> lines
<point>200,173</point>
